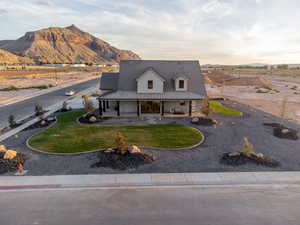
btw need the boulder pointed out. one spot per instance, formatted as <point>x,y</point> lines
<point>195,120</point>
<point>260,155</point>
<point>234,154</point>
<point>109,150</point>
<point>93,119</point>
<point>285,131</point>
<point>43,122</point>
<point>3,148</point>
<point>134,149</point>
<point>10,154</point>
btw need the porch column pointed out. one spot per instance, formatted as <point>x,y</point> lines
<point>104,106</point>
<point>190,108</point>
<point>162,108</point>
<point>107,104</point>
<point>118,108</point>
<point>100,108</point>
<point>138,108</point>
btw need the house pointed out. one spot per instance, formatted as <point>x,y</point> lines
<point>152,87</point>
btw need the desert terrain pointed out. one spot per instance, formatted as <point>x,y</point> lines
<point>273,91</point>
<point>16,85</point>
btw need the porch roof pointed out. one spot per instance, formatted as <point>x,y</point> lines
<point>131,95</point>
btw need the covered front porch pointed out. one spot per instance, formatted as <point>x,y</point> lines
<point>148,108</point>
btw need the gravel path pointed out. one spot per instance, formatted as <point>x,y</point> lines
<point>227,137</point>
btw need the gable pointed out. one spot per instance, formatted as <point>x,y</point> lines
<point>150,73</point>
<point>150,82</point>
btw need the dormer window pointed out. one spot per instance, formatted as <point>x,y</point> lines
<point>181,84</point>
<point>150,84</point>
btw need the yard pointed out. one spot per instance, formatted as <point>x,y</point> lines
<point>67,136</point>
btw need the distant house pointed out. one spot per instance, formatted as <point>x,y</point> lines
<point>144,87</point>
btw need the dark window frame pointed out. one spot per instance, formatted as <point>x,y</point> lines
<point>150,84</point>
<point>181,84</point>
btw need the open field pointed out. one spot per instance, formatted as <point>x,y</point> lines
<point>243,84</point>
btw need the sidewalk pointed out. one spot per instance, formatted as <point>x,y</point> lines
<point>246,179</point>
<point>50,110</point>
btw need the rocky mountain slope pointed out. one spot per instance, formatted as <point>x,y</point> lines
<point>9,58</point>
<point>65,45</point>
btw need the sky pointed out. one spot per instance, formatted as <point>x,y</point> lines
<point>212,31</point>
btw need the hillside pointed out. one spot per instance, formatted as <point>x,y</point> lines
<point>9,58</point>
<point>65,45</point>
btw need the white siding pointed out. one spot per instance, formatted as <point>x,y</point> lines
<point>128,107</point>
<point>142,83</point>
<point>176,106</point>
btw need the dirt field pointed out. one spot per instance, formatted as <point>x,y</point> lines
<point>287,87</point>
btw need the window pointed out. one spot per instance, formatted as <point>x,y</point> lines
<point>181,84</point>
<point>150,84</point>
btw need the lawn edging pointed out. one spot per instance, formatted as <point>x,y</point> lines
<point>93,151</point>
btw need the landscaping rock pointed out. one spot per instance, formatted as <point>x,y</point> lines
<point>134,149</point>
<point>93,119</point>
<point>204,121</point>
<point>109,150</point>
<point>8,165</point>
<point>195,120</point>
<point>281,131</point>
<point>241,159</point>
<point>51,119</point>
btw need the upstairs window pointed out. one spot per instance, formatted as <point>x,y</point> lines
<point>150,84</point>
<point>181,84</point>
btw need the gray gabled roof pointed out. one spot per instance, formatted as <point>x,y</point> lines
<point>109,81</point>
<point>130,70</point>
<point>133,95</point>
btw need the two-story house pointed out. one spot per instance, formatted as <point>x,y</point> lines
<point>155,87</point>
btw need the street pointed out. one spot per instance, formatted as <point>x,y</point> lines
<point>156,205</point>
<point>26,107</point>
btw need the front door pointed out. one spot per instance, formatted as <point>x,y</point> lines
<point>150,107</point>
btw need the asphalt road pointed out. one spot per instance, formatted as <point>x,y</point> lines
<point>167,206</point>
<point>26,107</point>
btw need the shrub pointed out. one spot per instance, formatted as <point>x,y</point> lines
<point>248,148</point>
<point>206,107</point>
<point>39,111</point>
<point>122,148</point>
<point>12,122</point>
<point>88,105</point>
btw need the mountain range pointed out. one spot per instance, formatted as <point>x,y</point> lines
<point>64,45</point>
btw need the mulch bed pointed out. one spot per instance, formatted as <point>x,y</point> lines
<point>204,121</point>
<point>241,159</point>
<point>39,124</point>
<point>122,162</point>
<point>85,119</point>
<point>281,131</point>
<point>11,165</point>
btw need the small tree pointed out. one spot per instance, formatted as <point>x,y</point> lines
<point>122,148</point>
<point>39,111</point>
<point>88,105</point>
<point>12,122</point>
<point>64,106</point>
<point>248,148</point>
<point>205,107</point>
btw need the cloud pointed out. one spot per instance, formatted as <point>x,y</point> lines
<point>214,31</point>
<point>3,11</point>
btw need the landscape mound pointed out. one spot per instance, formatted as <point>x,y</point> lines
<point>112,159</point>
<point>281,131</point>
<point>240,158</point>
<point>204,121</point>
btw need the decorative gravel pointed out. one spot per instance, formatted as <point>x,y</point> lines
<point>226,137</point>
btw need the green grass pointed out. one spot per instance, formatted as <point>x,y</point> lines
<point>217,107</point>
<point>67,136</point>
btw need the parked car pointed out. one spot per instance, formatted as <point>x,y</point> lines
<point>70,93</point>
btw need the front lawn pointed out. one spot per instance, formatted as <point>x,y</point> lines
<point>67,136</point>
<point>217,107</point>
